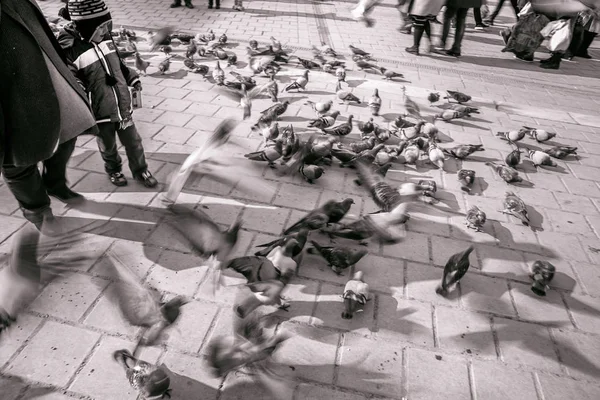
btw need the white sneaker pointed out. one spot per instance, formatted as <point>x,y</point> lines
<point>358,13</point>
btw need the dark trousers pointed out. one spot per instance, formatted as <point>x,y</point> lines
<point>513,3</point>
<point>179,2</point>
<point>477,16</point>
<point>131,140</point>
<point>211,3</point>
<point>461,17</point>
<point>30,187</point>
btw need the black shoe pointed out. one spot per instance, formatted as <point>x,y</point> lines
<point>175,5</point>
<point>117,179</point>
<point>412,50</point>
<point>210,6</point>
<point>488,21</point>
<point>66,195</point>
<point>5,319</point>
<point>585,55</point>
<point>147,179</point>
<point>452,53</point>
<point>189,5</point>
<point>551,65</point>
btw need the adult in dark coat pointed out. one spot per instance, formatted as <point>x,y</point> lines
<point>458,9</point>
<point>43,109</point>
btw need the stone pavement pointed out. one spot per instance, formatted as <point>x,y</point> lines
<point>491,339</point>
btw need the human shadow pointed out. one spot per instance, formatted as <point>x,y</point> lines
<point>353,83</point>
<point>180,74</point>
<point>466,124</point>
<point>479,186</point>
<point>258,13</point>
<point>185,388</point>
<point>318,92</point>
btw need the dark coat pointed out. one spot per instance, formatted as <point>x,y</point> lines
<point>29,110</point>
<point>464,3</point>
<point>109,103</point>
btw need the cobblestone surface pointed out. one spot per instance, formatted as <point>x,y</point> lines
<point>491,339</point>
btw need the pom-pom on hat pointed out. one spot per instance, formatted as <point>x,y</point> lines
<point>87,9</point>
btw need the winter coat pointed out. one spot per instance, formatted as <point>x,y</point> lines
<point>464,3</point>
<point>92,62</point>
<point>30,118</point>
<point>426,7</point>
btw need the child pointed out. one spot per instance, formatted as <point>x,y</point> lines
<point>89,46</point>
<point>188,4</point>
<point>422,12</point>
<point>237,5</point>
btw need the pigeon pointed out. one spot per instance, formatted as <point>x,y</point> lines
<point>382,134</point>
<point>475,218</point>
<point>140,64</point>
<point>541,158</point>
<point>339,258</point>
<point>308,64</point>
<point>269,154</point>
<point>273,90</point>
<point>340,74</point>
<point>345,95</point>
<point>365,144</point>
<point>320,108</point>
<point>385,158</point>
<point>513,158</point>
<point>244,97</point>
<point>456,267</point>
<point>366,128</point>
<point>299,83</point>
<point>266,293</point>
<point>325,121</point>
<point>449,115</point>
<point>410,132</point>
<point>356,294</point>
<point>379,170</point>
<point>195,67</point>
<point>253,44</point>
<point>205,236</point>
<point>411,107</point>
<point>367,156</point>
<point>436,155</point>
<point>433,97</point>
<point>359,52</point>
<point>166,49</point>
<point>458,96</point>
<point>311,173</point>
<point>539,135</point>
<point>161,37</point>
<point>300,238</point>
<point>290,143</point>
<point>231,58</point>
<point>561,152</point>
<point>344,155</point>
<point>375,103</point>
<point>270,133</point>
<point>164,65</point>
<point>508,174</point>
<point>512,136</point>
<point>361,64</point>
<point>262,63</point>
<point>401,123</point>
<point>466,177</point>
<point>191,49</point>
<point>219,75</point>
<point>329,213</point>
<point>271,114</point>
<point>513,205</point>
<point>464,150</point>
<point>253,268</point>
<point>140,305</point>
<point>459,107</point>
<point>343,129</point>
<point>149,380</point>
<point>389,75</point>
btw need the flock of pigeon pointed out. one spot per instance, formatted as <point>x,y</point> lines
<point>275,264</point>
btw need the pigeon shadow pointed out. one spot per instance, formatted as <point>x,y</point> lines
<point>185,388</point>
<point>318,92</point>
<point>240,64</point>
<point>479,186</point>
<point>182,73</point>
<point>481,159</point>
<point>463,123</point>
<point>527,166</point>
<point>390,116</point>
<point>508,241</point>
<point>293,99</point>
<point>536,220</point>
<point>443,138</point>
<point>353,83</point>
<point>291,118</point>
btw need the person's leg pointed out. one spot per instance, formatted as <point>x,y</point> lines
<point>449,13</point>
<point>218,4</point>
<point>492,17</point>
<point>27,186</point>
<point>553,62</point>
<point>515,6</point>
<point>176,3</point>
<point>135,153</point>
<point>588,38</point>
<point>418,29</point>
<point>477,16</point>
<point>54,173</point>
<point>576,41</point>
<point>107,144</point>
<point>461,19</point>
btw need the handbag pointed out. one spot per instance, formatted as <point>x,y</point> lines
<point>560,35</point>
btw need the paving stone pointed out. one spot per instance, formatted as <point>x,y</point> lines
<point>582,187</point>
<point>485,294</point>
<point>69,297</point>
<point>421,282</point>
<point>295,196</point>
<point>413,247</point>
<point>568,222</point>
<point>578,204</point>
<point>533,308</point>
<point>174,134</point>
<point>16,336</point>
<point>314,267</point>
<point>104,316</point>
<point>585,311</point>
<point>444,248</point>
<point>591,245</point>
<point>267,219</point>
<point>329,309</point>
<point>9,226</point>
<point>11,388</point>
<point>465,332</point>
<point>579,353</point>
<point>493,381</point>
<point>421,367</point>
<point>527,344</point>
<point>502,262</point>
<point>8,203</point>
<point>301,294</point>
<point>311,392</point>
<point>565,245</point>
<point>584,172</point>
<point>363,369</point>
<point>556,388</point>
<point>190,377</point>
<point>384,274</point>
<point>240,387</point>
<point>400,320</point>
<point>100,378</point>
<point>310,351</point>
<point>170,275</point>
<point>188,333</point>
<point>173,118</point>
<point>69,346</point>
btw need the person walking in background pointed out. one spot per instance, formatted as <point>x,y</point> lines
<point>479,24</point>
<point>492,17</point>
<point>177,3</point>
<point>458,9</point>
<point>43,108</point>
<point>590,21</point>
<point>422,12</point>
<point>218,5</point>
<point>237,5</point>
<point>89,46</point>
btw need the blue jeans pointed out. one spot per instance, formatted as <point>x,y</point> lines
<point>131,140</point>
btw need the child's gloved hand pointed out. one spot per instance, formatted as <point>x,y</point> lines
<point>138,86</point>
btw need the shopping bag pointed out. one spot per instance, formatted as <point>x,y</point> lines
<point>561,39</point>
<point>551,28</point>
<point>525,10</point>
